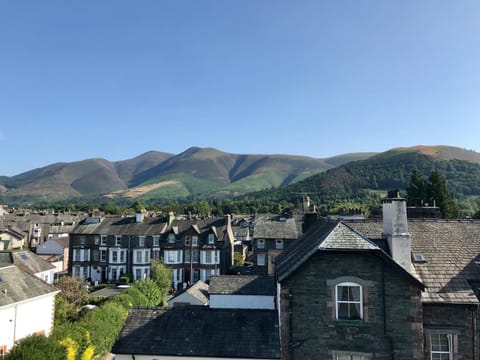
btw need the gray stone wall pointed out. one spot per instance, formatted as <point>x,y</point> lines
<point>391,325</point>
<point>459,320</point>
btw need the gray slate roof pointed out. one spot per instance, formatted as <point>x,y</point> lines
<point>242,285</point>
<point>151,226</point>
<point>199,291</point>
<point>30,262</point>
<point>452,253</point>
<point>17,285</point>
<point>200,331</point>
<point>330,236</point>
<point>270,227</point>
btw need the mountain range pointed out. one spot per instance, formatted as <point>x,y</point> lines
<point>207,173</point>
<point>196,172</point>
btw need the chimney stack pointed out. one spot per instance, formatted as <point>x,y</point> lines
<point>395,228</point>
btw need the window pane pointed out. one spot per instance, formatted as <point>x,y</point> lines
<point>354,293</point>
<point>343,311</point>
<point>354,311</point>
<point>343,293</point>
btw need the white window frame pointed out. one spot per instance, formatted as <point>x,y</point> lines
<point>440,352</point>
<point>260,243</point>
<point>103,239</point>
<point>172,256</point>
<point>194,240</point>
<point>97,239</point>
<point>348,302</point>
<point>211,239</point>
<point>118,240</point>
<point>279,244</point>
<point>261,259</point>
<point>156,240</point>
<point>141,241</point>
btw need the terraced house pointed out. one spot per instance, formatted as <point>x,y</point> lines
<point>390,289</point>
<point>103,249</point>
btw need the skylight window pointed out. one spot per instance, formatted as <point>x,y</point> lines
<point>418,257</point>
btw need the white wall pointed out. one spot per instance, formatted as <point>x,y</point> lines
<point>242,301</point>
<point>25,318</point>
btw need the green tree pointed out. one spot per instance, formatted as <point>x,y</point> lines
<point>438,192</point>
<point>417,189</point>
<point>73,290</point>
<point>36,347</point>
<point>150,289</point>
<point>162,276</point>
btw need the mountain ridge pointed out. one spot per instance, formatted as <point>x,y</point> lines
<point>194,172</point>
<point>208,173</point>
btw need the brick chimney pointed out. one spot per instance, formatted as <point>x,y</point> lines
<point>395,228</point>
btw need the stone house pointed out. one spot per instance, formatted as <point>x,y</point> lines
<point>271,235</point>
<point>387,289</point>
<point>103,249</point>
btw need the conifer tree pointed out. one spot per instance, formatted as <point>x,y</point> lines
<point>417,189</point>
<point>433,191</point>
<point>438,192</point>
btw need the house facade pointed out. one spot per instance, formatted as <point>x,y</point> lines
<point>103,249</point>
<point>391,289</point>
<point>271,235</point>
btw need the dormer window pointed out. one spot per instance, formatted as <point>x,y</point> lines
<point>188,240</point>
<point>211,238</point>
<point>118,240</point>
<point>97,239</point>
<point>194,240</point>
<point>103,239</point>
<point>156,240</point>
<point>141,241</point>
<point>349,304</point>
<point>261,243</point>
<point>171,238</point>
<point>278,244</point>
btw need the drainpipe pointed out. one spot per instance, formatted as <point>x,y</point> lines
<point>474,332</point>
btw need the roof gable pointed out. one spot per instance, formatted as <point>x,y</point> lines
<point>330,236</point>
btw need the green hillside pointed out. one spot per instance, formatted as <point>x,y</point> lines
<point>367,181</point>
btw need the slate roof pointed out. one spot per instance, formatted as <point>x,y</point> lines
<point>200,331</point>
<point>199,291</point>
<point>242,285</point>
<point>30,262</point>
<point>17,285</point>
<point>151,226</point>
<point>123,226</point>
<point>452,253</point>
<point>271,227</point>
<point>327,235</point>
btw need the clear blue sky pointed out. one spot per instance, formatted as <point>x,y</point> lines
<point>114,79</point>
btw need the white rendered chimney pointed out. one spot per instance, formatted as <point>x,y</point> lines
<point>395,228</point>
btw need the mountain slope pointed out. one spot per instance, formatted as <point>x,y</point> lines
<point>199,172</point>
<point>370,178</point>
